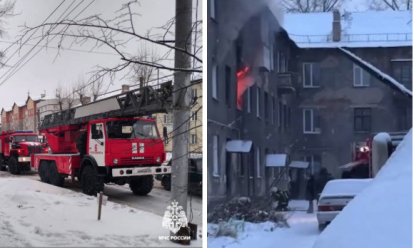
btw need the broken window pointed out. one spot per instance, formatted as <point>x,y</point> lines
<point>311,75</point>
<point>362,119</point>
<point>361,77</point>
<point>266,105</point>
<point>228,84</point>
<point>249,100</point>
<point>311,121</point>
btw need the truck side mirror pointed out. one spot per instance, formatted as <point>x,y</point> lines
<point>164,132</point>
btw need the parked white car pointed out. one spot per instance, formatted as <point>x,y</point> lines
<point>335,196</point>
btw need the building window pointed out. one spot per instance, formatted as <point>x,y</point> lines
<point>361,77</point>
<point>280,115</point>
<point>282,62</point>
<point>403,73</point>
<point>165,119</point>
<point>362,119</point>
<point>228,84</point>
<point>215,156</point>
<point>285,114</point>
<point>266,105</point>
<point>193,115</point>
<point>258,101</point>
<point>311,75</point>
<point>258,165</point>
<point>311,121</point>
<point>213,9</point>
<point>404,118</point>
<point>194,139</point>
<point>315,163</point>
<point>214,82</point>
<point>249,100</point>
<point>193,93</point>
<point>273,109</point>
<point>166,140</point>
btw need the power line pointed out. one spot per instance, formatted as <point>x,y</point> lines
<point>32,33</point>
<point>61,48</point>
<point>13,68</point>
<point>48,41</point>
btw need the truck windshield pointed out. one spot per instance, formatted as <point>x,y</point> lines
<point>21,138</point>
<point>139,130</point>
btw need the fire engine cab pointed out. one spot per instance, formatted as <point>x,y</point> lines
<point>107,141</point>
<point>16,148</point>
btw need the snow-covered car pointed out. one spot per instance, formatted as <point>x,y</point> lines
<point>335,196</point>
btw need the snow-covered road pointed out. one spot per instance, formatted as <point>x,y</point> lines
<point>33,213</point>
<point>156,202</point>
<point>302,233</point>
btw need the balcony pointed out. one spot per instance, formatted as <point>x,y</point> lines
<point>285,83</point>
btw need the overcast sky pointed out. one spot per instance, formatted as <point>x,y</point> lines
<point>42,73</point>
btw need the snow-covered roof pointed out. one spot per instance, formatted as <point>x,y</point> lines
<point>372,219</point>
<point>379,72</point>
<point>239,146</point>
<point>20,104</point>
<point>359,29</point>
<point>7,109</point>
<point>276,160</point>
<point>39,98</point>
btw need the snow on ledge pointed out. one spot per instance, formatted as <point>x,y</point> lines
<point>392,80</point>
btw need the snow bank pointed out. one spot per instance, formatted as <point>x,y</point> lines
<point>345,187</point>
<point>37,214</point>
<point>302,233</point>
<point>381,215</point>
<point>392,80</point>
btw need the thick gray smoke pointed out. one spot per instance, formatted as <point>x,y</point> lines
<point>238,13</point>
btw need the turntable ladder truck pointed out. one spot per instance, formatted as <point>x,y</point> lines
<point>107,141</point>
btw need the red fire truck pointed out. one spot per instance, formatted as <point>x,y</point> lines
<point>361,165</point>
<point>16,148</point>
<point>106,142</point>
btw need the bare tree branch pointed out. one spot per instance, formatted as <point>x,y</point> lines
<point>305,6</point>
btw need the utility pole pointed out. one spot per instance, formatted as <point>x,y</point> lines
<point>181,104</point>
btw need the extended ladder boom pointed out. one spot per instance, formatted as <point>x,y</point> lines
<point>135,103</point>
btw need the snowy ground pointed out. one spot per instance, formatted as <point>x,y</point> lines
<point>302,233</point>
<point>155,202</point>
<point>37,214</point>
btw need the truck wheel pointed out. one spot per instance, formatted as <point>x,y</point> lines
<point>44,171</point>
<point>166,183</point>
<point>55,177</point>
<point>2,165</point>
<point>91,183</point>
<point>14,167</point>
<point>142,185</point>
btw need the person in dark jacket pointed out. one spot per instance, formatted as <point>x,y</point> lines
<point>310,192</point>
<point>323,179</point>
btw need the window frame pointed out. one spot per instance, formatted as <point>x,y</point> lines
<point>312,85</point>
<point>213,9</point>
<point>364,117</point>
<point>216,170</point>
<point>258,163</point>
<point>214,78</point>
<point>194,139</point>
<point>312,120</point>
<point>361,77</point>
<point>258,102</point>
